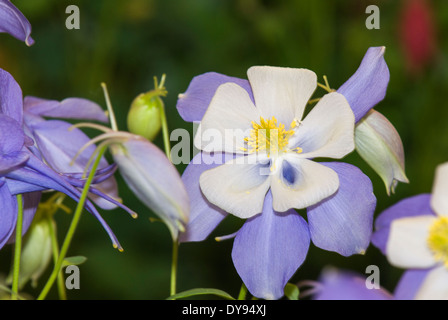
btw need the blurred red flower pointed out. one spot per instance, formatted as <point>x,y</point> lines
<point>417,34</point>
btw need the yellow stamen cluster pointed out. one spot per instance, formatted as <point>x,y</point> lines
<point>269,136</point>
<point>438,240</point>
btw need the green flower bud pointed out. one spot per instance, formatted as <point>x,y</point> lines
<point>36,252</point>
<point>144,117</point>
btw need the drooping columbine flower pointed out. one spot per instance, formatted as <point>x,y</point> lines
<point>23,172</point>
<point>12,21</point>
<point>413,234</point>
<point>150,175</point>
<point>47,139</point>
<point>51,136</point>
<point>148,172</point>
<point>270,246</point>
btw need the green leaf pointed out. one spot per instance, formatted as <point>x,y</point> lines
<point>201,291</point>
<point>74,261</point>
<point>291,291</point>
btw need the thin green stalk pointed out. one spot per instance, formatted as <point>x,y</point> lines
<point>165,131</point>
<point>174,267</point>
<point>72,228</point>
<point>243,292</point>
<point>18,249</point>
<point>55,249</point>
<point>167,146</point>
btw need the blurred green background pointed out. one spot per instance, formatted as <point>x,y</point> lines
<point>125,43</point>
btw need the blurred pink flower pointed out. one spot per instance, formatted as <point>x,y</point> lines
<point>417,34</point>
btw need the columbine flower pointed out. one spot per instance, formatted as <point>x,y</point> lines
<point>147,171</point>
<point>413,234</point>
<point>12,21</point>
<point>363,91</point>
<point>277,138</point>
<point>51,136</point>
<point>11,157</point>
<point>270,246</point>
<point>347,285</point>
<point>23,172</point>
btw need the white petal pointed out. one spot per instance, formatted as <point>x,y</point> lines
<point>407,245</point>
<point>239,186</point>
<point>282,92</point>
<point>439,200</point>
<point>227,121</point>
<point>328,130</point>
<point>435,285</point>
<point>299,183</point>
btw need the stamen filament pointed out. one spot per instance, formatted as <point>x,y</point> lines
<point>122,135</point>
<point>91,125</point>
<point>269,136</point>
<point>113,121</point>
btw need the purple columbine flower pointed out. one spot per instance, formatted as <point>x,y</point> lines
<point>51,136</point>
<point>147,171</point>
<point>149,174</point>
<point>273,242</point>
<point>24,172</point>
<point>12,21</point>
<point>11,158</point>
<point>348,285</point>
<point>413,234</point>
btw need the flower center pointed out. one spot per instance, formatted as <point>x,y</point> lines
<point>270,136</point>
<point>438,240</point>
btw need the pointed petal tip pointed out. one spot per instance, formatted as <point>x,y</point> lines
<point>393,185</point>
<point>380,49</point>
<point>383,50</point>
<point>29,41</point>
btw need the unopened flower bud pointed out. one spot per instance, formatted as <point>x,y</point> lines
<point>144,115</point>
<point>36,252</point>
<point>379,144</point>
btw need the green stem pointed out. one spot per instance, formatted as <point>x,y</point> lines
<point>167,145</point>
<point>243,292</point>
<point>18,249</point>
<point>55,249</point>
<point>72,228</point>
<point>165,131</point>
<point>174,267</point>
